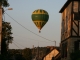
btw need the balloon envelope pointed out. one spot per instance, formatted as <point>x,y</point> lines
<point>40,18</point>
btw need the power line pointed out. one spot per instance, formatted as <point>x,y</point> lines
<point>19,44</point>
<point>16,45</point>
<point>28,29</point>
<point>26,46</point>
<point>31,39</point>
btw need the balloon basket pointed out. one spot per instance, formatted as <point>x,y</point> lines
<point>39,31</point>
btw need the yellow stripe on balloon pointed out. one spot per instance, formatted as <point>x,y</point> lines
<point>39,24</point>
<point>38,12</point>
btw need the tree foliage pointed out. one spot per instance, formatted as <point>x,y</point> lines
<point>27,54</point>
<point>4,3</point>
<point>6,36</point>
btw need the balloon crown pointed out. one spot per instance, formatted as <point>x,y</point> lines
<point>40,11</point>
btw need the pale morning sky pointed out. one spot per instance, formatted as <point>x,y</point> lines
<point>22,10</point>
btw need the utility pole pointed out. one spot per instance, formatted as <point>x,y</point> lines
<point>0,25</point>
<point>38,51</point>
<point>55,43</point>
<point>54,49</point>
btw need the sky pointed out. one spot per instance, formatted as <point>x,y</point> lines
<point>28,35</point>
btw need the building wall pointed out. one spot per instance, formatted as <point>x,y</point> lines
<point>70,47</point>
<point>65,32</point>
<point>76,11</point>
<point>66,22</point>
<point>67,26</point>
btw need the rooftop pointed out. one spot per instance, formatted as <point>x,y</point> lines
<point>66,4</point>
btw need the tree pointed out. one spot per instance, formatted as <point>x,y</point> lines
<point>4,3</point>
<point>19,57</point>
<point>6,36</point>
<point>27,54</point>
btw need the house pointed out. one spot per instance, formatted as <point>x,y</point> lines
<point>57,57</point>
<point>70,28</point>
<point>53,53</point>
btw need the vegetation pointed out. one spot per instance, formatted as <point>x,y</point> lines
<point>6,36</point>
<point>6,30</point>
<point>27,54</point>
<point>4,3</point>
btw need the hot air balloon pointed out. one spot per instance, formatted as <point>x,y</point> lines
<point>40,18</point>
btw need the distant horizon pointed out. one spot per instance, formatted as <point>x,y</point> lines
<point>38,46</point>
